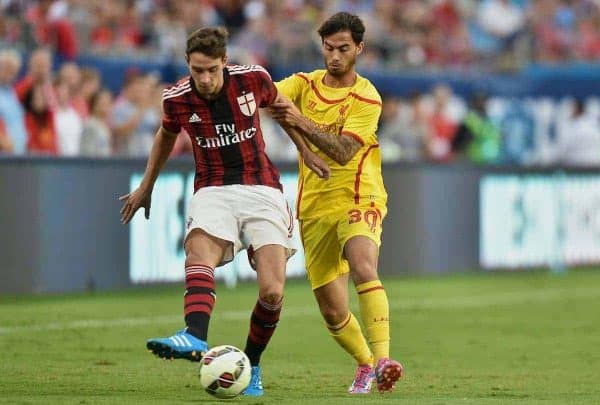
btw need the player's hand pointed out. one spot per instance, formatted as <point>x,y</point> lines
<point>132,202</point>
<point>316,164</point>
<point>285,112</point>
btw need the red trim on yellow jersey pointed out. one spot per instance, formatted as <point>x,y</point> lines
<point>301,232</point>
<point>299,197</point>
<point>359,172</point>
<point>321,97</point>
<point>366,100</point>
<point>355,136</point>
<point>303,76</point>
<point>339,100</point>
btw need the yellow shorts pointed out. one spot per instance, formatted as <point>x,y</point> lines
<point>324,240</point>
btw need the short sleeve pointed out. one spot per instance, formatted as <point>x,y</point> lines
<point>291,86</point>
<point>169,120</point>
<point>362,121</point>
<point>268,91</point>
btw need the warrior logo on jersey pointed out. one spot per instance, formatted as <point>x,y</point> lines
<point>247,104</point>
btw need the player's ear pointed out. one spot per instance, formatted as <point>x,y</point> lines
<point>187,58</point>
<point>359,48</point>
<point>224,59</point>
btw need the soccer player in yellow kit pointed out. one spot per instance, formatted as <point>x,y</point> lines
<point>336,111</point>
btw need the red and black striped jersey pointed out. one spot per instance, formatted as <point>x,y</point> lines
<point>226,134</point>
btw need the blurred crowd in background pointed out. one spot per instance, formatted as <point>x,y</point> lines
<point>436,34</point>
<point>63,109</point>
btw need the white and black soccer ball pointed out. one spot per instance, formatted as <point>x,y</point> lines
<point>225,371</point>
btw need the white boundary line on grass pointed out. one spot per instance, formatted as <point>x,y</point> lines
<point>455,302</point>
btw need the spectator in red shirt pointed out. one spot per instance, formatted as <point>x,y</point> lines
<point>443,128</point>
<point>57,33</point>
<point>39,121</point>
<point>39,73</point>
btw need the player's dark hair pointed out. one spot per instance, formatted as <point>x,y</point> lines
<point>340,22</point>
<point>209,41</point>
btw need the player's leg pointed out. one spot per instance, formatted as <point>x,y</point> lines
<point>270,263</point>
<point>203,253</point>
<point>362,254</point>
<point>211,240</point>
<point>342,324</point>
<point>345,330</point>
<point>328,275</point>
<point>266,224</point>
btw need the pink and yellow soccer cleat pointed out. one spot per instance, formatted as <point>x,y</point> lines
<point>362,380</point>
<point>387,372</point>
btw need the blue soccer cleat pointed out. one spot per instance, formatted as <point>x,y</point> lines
<point>255,388</point>
<point>181,345</point>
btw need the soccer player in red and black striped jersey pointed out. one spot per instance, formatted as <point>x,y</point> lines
<point>238,201</point>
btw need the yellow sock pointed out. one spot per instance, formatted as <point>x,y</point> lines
<point>348,335</point>
<point>375,314</point>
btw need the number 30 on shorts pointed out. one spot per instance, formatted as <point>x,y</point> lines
<point>372,217</point>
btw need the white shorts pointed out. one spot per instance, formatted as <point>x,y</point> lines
<point>249,216</point>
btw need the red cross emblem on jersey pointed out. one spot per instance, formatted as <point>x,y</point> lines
<point>247,104</point>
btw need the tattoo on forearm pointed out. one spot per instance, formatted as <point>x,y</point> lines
<point>339,148</point>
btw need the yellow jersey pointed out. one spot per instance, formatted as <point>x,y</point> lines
<point>349,111</point>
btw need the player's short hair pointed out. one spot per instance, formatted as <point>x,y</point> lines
<point>343,21</point>
<point>209,41</point>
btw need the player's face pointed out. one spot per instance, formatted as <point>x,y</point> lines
<point>340,52</point>
<point>207,73</point>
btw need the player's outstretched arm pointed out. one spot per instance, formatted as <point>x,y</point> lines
<point>141,197</point>
<point>340,148</point>
<point>310,158</point>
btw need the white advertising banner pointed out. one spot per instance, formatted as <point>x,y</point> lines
<point>539,220</point>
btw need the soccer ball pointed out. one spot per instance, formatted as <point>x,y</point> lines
<point>225,371</point>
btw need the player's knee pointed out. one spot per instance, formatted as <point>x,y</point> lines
<point>363,271</point>
<point>193,259</point>
<point>334,316</point>
<point>272,294</point>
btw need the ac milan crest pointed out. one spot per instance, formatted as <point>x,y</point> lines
<point>247,104</point>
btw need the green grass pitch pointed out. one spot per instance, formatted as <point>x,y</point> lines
<point>531,338</point>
